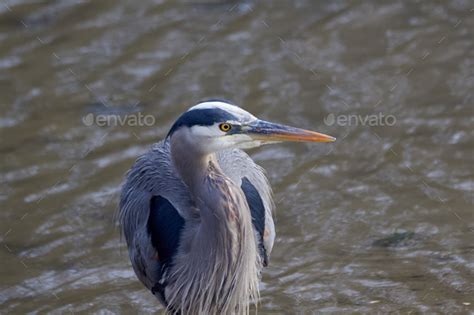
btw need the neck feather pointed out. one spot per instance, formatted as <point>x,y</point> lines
<point>223,259</point>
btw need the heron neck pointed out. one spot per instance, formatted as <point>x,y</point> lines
<point>220,201</point>
<point>224,249</point>
<point>192,167</point>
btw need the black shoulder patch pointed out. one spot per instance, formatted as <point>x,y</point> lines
<point>164,226</point>
<point>257,210</point>
<point>201,117</point>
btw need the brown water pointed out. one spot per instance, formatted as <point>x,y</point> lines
<point>380,221</point>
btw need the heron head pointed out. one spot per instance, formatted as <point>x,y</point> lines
<point>215,125</point>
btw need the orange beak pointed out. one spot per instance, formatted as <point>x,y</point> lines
<point>271,132</point>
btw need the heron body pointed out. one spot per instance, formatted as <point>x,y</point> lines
<point>196,211</point>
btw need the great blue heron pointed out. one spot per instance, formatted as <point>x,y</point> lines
<point>196,211</point>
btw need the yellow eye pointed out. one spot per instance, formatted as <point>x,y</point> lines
<point>225,127</point>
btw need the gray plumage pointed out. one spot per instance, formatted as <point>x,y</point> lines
<point>153,174</point>
<point>196,211</point>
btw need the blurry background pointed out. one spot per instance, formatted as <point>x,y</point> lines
<point>381,220</point>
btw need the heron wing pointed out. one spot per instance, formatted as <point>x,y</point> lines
<point>251,178</point>
<point>257,210</point>
<point>164,226</point>
<point>151,216</point>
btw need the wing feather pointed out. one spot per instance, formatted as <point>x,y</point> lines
<point>257,210</point>
<point>151,216</point>
<point>251,178</point>
<point>164,226</point>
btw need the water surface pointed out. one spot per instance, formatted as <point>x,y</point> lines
<point>380,221</point>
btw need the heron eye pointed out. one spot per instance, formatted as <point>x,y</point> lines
<point>225,127</point>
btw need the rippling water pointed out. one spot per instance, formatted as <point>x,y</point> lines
<point>382,220</point>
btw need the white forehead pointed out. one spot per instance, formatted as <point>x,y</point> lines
<point>234,110</point>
